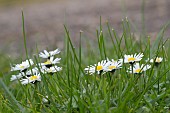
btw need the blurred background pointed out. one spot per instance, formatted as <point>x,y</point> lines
<point>44,20</point>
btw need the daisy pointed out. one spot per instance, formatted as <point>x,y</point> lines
<point>133,58</point>
<point>90,69</point>
<point>23,66</point>
<point>52,69</point>
<point>121,61</point>
<point>157,60</point>
<point>49,54</point>
<point>45,99</point>
<point>137,69</point>
<point>23,74</point>
<point>50,62</point>
<point>15,77</point>
<point>113,65</point>
<point>99,67</point>
<point>32,72</point>
<point>31,79</point>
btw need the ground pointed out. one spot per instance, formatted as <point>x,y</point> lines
<point>44,20</point>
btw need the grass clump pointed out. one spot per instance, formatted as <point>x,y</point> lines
<point>128,75</point>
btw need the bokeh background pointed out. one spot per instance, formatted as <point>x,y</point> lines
<point>44,20</point>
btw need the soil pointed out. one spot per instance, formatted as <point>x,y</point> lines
<point>44,21</point>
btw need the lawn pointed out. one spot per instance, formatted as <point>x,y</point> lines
<point>115,73</point>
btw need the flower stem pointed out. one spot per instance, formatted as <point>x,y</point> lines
<point>132,70</point>
<point>144,81</point>
<point>157,75</point>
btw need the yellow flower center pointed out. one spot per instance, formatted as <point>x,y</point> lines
<point>131,59</point>
<point>47,62</point>
<point>138,70</point>
<point>21,66</point>
<point>33,77</point>
<point>99,68</point>
<point>158,60</point>
<point>112,67</point>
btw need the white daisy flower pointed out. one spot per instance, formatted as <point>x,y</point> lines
<point>23,66</point>
<point>50,62</point>
<point>43,68</point>
<point>139,69</point>
<point>99,67</point>
<point>31,79</point>
<point>90,69</point>
<point>133,58</point>
<point>52,69</point>
<point>49,54</point>
<point>157,60</point>
<point>113,65</point>
<point>22,74</point>
<point>15,77</point>
<point>32,71</point>
<point>45,99</point>
<point>121,61</point>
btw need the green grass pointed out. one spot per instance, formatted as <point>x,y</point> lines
<point>5,64</point>
<point>71,90</point>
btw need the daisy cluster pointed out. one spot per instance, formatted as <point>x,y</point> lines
<point>113,65</point>
<point>29,72</point>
